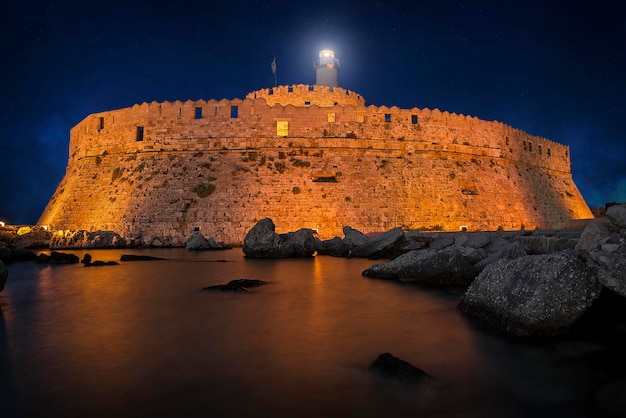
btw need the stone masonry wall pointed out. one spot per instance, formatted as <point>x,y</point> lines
<point>372,168</point>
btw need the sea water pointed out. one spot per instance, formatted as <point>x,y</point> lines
<point>142,339</point>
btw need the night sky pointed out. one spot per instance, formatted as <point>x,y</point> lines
<point>553,71</point>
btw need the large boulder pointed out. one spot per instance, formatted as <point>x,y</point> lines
<point>197,242</point>
<point>57,258</point>
<point>262,241</point>
<point>603,246</point>
<point>35,237</point>
<point>617,215</point>
<point>4,274</point>
<point>508,251</point>
<point>380,246</point>
<point>430,267</point>
<point>353,238</point>
<point>86,239</point>
<point>535,295</point>
<point>333,247</point>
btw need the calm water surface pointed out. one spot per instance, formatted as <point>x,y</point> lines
<point>142,340</point>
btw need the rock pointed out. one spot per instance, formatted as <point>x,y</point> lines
<point>431,267</point>
<point>36,237</point>
<point>612,397</point>
<point>447,240</point>
<point>477,240</point>
<point>603,246</point>
<point>134,257</point>
<point>12,255</point>
<point>617,215</point>
<point>390,367</point>
<point>57,258</point>
<point>99,263</point>
<point>197,242</point>
<point>263,242</point>
<point>353,238</point>
<point>333,247</point>
<point>239,285</point>
<point>4,274</point>
<point>86,239</point>
<point>536,295</point>
<point>380,246</point>
<point>539,244</point>
<point>509,251</point>
<point>86,259</point>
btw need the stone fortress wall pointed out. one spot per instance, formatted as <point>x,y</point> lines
<point>306,156</point>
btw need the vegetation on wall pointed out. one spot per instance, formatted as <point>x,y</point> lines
<point>204,189</point>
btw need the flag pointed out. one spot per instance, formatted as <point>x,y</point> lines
<point>274,66</point>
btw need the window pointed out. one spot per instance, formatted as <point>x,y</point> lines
<point>360,117</point>
<point>387,117</point>
<point>290,89</point>
<point>525,146</point>
<point>180,111</point>
<point>139,135</point>
<point>198,113</point>
<point>234,112</point>
<point>100,124</point>
<point>530,146</point>
<point>549,152</point>
<point>282,128</point>
<point>331,117</point>
<point>414,119</point>
<point>507,140</point>
<point>540,150</point>
<point>271,91</point>
<point>306,102</point>
<point>311,88</point>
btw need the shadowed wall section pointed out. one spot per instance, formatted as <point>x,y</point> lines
<point>313,157</point>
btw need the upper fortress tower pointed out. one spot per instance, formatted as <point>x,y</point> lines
<point>311,156</point>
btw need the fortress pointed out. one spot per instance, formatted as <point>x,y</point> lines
<point>311,156</point>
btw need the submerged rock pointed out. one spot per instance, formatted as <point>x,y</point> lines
<point>4,274</point>
<point>390,367</point>
<point>239,285</point>
<point>533,295</point>
<point>57,258</point>
<point>134,257</point>
<point>263,242</point>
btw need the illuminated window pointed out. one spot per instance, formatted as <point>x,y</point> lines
<point>331,117</point>
<point>414,119</point>
<point>387,117</point>
<point>234,112</point>
<point>282,128</point>
<point>198,113</point>
<point>139,135</point>
<point>360,117</point>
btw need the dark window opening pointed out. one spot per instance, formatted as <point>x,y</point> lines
<point>234,112</point>
<point>307,102</point>
<point>180,111</point>
<point>139,136</point>
<point>101,124</point>
<point>525,146</point>
<point>507,140</point>
<point>549,152</point>
<point>311,88</point>
<point>347,92</point>
<point>271,91</point>
<point>290,89</point>
<point>215,112</point>
<point>414,119</point>
<point>387,117</point>
<point>530,146</point>
<point>540,150</point>
<point>198,113</point>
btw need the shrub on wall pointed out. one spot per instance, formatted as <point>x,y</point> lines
<point>204,189</point>
<point>117,173</point>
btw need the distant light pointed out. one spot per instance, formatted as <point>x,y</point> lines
<point>327,53</point>
<point>2,224</point>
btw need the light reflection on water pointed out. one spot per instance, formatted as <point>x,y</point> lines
<point>142,339</point>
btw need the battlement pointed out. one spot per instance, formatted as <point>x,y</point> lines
<point>307,95</point>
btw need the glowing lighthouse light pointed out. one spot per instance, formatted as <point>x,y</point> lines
<point>326,68</point>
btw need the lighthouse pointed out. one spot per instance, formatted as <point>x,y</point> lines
<point>326,68</point>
